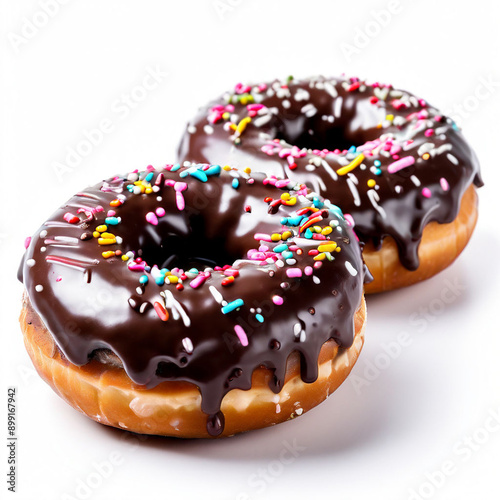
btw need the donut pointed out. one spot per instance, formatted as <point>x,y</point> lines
<point>399,167</point>
<point>194,301</point>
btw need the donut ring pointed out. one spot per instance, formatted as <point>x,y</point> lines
<point>387,158</point>
<point>202,352</point>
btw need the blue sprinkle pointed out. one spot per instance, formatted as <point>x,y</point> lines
<point>235,183</point>
<point>112,221</point>
<point>287,254</point>
<point>378,171</point>
<point>198,174</point>
<point>175,168</point>
<point>160,280</point>
<point>317,203</point>
<point>336,210</point>
<point>193,270</point>
<point>308,234</point>
<point>280,248</point>
<point>143,279</point>
<point>352,149</point>
<point>377,163</point>
<point>232,306</point>
<point>259,318</point>
<point>148,177</point>
<point>213,170</point>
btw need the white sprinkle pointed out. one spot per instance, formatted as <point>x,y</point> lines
<point>187,344</point>
<point>209,130</point>
<point>139,290</point>
<point>299,411</point>
<point>297,328</point>
<point>398,189</point>
<point>191,129</point>
<point>350,268</point>
<point>337,106</point>
<point>43,249</point>
<point>143,307</point>
<point>39,288</point>
<point>30,262</point>
<point>452,158</point>
<point>331,89</point>
<point>329,169</point>
<point>216,294</point>
<point>286,103</point>
<point>262,120</point>
<point>278,408</point>
<point>302,336</point>
<point>374,198</point>
<point>43,234</point>
<point>415,180</point>
<point>354,191</point>
<point>309,110</point>
<point>316,280</point>
<point>177,310</point>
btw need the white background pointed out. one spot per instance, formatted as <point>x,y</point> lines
<point>385,431</point>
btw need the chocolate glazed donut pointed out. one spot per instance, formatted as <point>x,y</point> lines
<point>197,277</point>
<point>388,159</point>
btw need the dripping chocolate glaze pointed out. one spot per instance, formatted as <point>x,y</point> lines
<point>90,303</point>
<point>320,113</point>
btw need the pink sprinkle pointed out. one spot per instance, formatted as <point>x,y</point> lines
<point>400,164</point>
<point>27,242</point>
<point>198,281</point>
<point>160,211</point>
<point>429,132</point>
<point>111,213</point>
<point>241,335</point>
<point>283,183</point>
<point>262,236</point>
<point>179,199</point>
<point>72,219</point>
<point>99,208</point>
<point>444,184</point>
<point>278,300</point>
<point>151,218</point>
<point>294,272</point>
<point>349,219</point>
<point>426,192</point>
<point>59,278</point>
<point>180,186</point>
<point>308,271</point>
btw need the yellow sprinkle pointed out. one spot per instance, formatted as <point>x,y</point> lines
<point>226,115</point>
<point>317,229</point>
<point>101,228</point>
<point>243,125</point>
<point>327,247</point>
<point>320,256</point>
<point>247,170</point>
<point>285,196</point>
<point>124,257</point>
<point>338,249</point>
<point>326,230</point>
<point>149,190</point>
<point>371,183</point>
<point>173,279</point>
<point>286,235</point>
<point>107,255</point>
<point>275,237</point>
<point>354,163</point>
<point>426,156</point>
<point>108,235</point>
<point>227,168</point>
<point>96,234</point>
<point>389,117</point>
<point>106,241</point>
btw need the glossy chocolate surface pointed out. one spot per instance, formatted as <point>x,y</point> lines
<point>415,164</point>
<point>163,332</point>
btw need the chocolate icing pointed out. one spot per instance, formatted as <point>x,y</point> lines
<point>90,303</point>
<point>323,118</point>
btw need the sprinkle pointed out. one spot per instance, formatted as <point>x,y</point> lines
<point>143,280</point>
<point>280,248</point>
<point>262,237</point>
<point>160,211</point>
<point>294,272</point>
<point>351,166</point>
<point>444,184</point>
<point>400,164</point>
<point>102,228</point>
<point>216,294</point>
<point>242,336</point>
<point>327,247</point>
<point>151,218</point>
<point>350,268</point>
<point>71,218</point>
<point>39,288</point>
<point>278,300</point>
<point>259,318</point>
<point>30,262</point>
<point>106,241</point>
<point>308,271</point>
<point>108,254</point>
<point>227,281</point>
<point>235,183</point>
<point>113,221</point>
<point>426,192</point>
<point>198,281</point>
<point>187,344</point>
<point>161,311</point>
<point>232,306</point>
